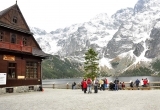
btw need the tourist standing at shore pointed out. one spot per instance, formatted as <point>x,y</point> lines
<point>111,86</point>
<point>145,82</point>
<point>123,86</point>
<point>84,85</point>
<point>137,82</point>
<point>142,84</point>
<point>95,82</point>
<point>131,84</point>
<point>116,83</point>
<point>73,85</point>
<point>120,86</point>
<point>106,82</point>
<point>89,84</point>
<point>104,85</point>
<point>101,83</point>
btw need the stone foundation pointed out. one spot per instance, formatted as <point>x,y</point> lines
<point>19,89</point>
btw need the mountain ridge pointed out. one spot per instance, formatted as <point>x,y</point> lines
<point>128,38</point>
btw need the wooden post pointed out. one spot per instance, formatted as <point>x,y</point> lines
<point>53,85</point>
<point>67,86</point>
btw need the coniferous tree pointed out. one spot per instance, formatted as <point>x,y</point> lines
<point>91,64</point>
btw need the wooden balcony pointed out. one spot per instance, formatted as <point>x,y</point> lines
<point>16,47</point>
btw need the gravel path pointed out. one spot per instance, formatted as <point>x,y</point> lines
<point>63,99</point>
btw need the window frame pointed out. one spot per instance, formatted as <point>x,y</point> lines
<point>15,20</point>
<point>31,70</point>
<point>12,69</point>
<point>1,36</point>
<point>24,41</point>
<point>13,38</point>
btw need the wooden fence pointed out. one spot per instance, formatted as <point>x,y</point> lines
<point>152,85</point>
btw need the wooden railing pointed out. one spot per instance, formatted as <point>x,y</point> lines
<point>152,85</point>
<point>60,86</point>
<point>16,47</point>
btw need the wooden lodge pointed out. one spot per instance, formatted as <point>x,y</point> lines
<point>20,54</point>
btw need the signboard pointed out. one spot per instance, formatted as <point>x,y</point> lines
<point>9,57</point>
<point>21,77</point>
<point>3,77</point>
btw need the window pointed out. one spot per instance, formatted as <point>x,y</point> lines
<point>25,41</point>
<point>31,69</point>
<point>13,38</point>
<point>15,20</point>
<point>1,35</point>
<point>12,70</point>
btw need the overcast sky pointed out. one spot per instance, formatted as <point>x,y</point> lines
<point>52,14</point>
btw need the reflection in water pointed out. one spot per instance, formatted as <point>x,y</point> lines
<point>78,80</point>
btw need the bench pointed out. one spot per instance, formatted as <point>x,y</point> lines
<point>139,88</point>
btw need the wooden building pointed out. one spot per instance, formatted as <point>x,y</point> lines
<point>20,54</point>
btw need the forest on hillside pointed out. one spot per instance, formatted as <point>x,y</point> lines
<point>54,67</point>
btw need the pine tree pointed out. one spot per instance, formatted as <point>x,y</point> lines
<point>91,64</point>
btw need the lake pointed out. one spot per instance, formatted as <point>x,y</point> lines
<point>122,79</point>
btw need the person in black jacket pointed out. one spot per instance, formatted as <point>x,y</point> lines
<point>111,86</point>
<point>73,85</point>
<point>131,83</point>
<point>116,83</point>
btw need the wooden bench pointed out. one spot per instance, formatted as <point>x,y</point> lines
<point>131,88</point>
<point>139,88</point>
<point>145,88</point>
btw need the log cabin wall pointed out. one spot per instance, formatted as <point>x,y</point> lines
<point>20,72</point>
<point>19,37</point>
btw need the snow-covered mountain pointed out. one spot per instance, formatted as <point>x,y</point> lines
<point>128,38</point>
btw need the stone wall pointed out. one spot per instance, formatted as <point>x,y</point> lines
<point>19,89</point>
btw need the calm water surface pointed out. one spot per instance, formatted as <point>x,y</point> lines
<point>78,80</point>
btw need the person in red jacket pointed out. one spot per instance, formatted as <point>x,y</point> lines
<point>89,84</point>
<point>84,84</point>
<point>145,82</point>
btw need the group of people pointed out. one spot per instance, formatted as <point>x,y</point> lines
<point>86,85</point>
<point>116,85</point>
<point>143,82</point>
<point>102,84</point>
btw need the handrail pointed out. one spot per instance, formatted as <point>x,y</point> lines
<point>78,86</point>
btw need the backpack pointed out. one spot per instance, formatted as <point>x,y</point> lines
<point>88,81</point>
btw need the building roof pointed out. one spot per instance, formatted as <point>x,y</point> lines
<point>14,28</point>
<point>5,11</point>
<point>40,53</point>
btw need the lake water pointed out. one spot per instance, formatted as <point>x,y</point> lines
<point>78,80</point>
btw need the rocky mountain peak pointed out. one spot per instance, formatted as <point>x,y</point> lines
<point>144,5</point>
<point>121,16</point>
<point>38,31</point>
<point>101,17</point>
